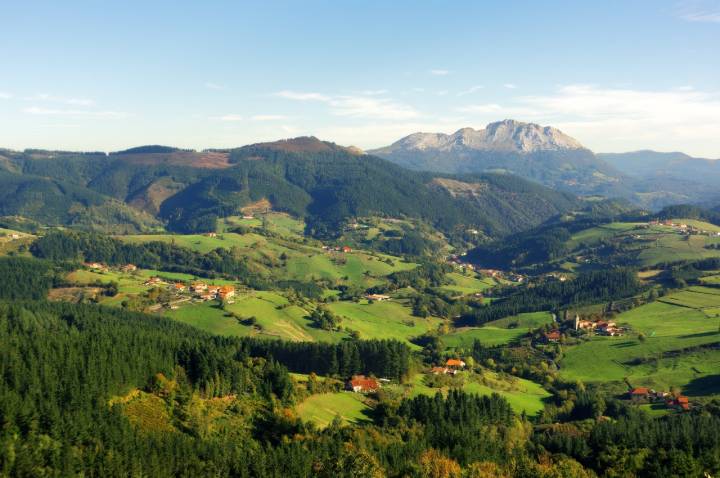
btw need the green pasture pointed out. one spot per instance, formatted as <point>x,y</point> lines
<point>667,328</point>
<point>382,320</point>
<point>489,336</point>
<point>498,332</point>
<point>322,409</point>
<point>523,395</point>
<point>466,284</point>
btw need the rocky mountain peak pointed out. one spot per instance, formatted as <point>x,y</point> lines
<point>502,136</point>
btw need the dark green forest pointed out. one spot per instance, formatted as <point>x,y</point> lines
<point>62,363</point>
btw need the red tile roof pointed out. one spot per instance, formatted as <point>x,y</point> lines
<point>366,384</point>
<point>455,363</point>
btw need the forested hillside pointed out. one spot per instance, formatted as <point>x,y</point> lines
<point>321,182</point>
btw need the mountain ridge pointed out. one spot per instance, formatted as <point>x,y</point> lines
<point>506,135</point>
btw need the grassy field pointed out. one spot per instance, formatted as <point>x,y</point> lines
<point>595,234</point>
<point>10,244</point>
<point>498,332</point>
<point>523,395</point>
<point>323,408</point>
<point>652,244</point>
<point>382,320</point>
<point>678,322</point>
<point>275,318</point>
<point>275,222</point>
<point>290,258</point>
<point>466,284</point>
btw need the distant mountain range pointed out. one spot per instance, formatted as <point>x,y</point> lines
<point>670,177</point>
<point>549,156</point>
<point>472,179</point>
<point>543,154</point>
<point>156,186</point>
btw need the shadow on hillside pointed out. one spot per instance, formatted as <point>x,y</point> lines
<point>626,344</point>
<point>703,386</point>
<point>701,334</point>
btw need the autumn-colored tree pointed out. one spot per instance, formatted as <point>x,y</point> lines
<point>435,465</point>
<point>485,469</point>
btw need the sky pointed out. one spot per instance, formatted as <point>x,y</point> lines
<point>108,75</point>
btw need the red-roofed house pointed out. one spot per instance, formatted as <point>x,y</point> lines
<point>639,394</point>
<point>226,292</point>
<point>552,336</point>
<point>362,384</point>
<point>681,403</point>
<point>456,363</point>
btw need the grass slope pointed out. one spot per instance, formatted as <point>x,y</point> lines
<point>322,409</point>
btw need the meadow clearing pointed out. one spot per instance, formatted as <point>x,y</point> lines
<point>322,408</point>
<point>498,332</point>
<point>669,326</point>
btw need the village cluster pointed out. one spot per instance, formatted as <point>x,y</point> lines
<point>184,292</point>
<point>603,327</point>
<point>683,228</point>
<point>364,384</point>
<point>200,291</point>
<point>647,395</point>
<point>456,261</point>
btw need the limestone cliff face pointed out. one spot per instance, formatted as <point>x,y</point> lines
<point>502,136</point>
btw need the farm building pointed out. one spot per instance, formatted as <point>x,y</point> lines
<point>639,394</point>
<point>128,268</point>
<point>442,371</point>
<point>553,336</point>
<point>377,297</point>
<point>199,287</point>
<point>681,403</point>
<point>226,292</point>
<point>456,363</point>
<point>362,384</point>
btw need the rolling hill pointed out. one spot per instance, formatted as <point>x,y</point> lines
<point>320,182</point>
<point>664,178</point>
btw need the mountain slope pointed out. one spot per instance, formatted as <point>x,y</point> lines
<point>55,202</point>
<point>322,182</point>
<point>669,177</point>
<point>539,153</point>
<point>327,184</point>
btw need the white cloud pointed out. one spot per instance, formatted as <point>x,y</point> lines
<point>471,90</point>
<point>373,92</point>
<point>298,96</point>
<point>268,117</point>
<point>707,17</point>
<point>5,96</point>
<point>213,86</point>
<point>374,135</point>
<point>355,106</point>
<point>59,99</point>
<point>703,11</point>
<point>36,110</point>
<point>510,86</point>
<point>498,111</point>
<point>439,72</point>
<point>442,92</point>
<point>229,117</point>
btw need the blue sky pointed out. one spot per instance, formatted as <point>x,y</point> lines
<point>98,75</point>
